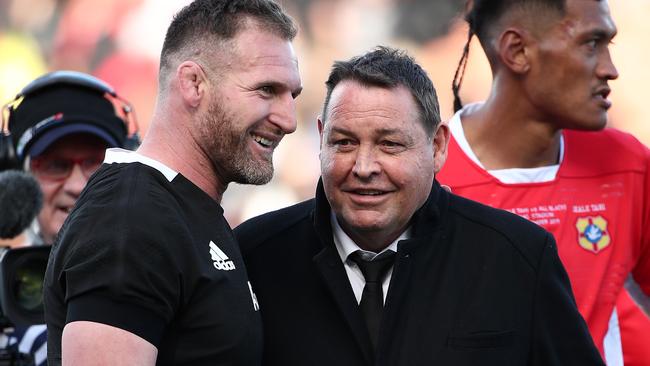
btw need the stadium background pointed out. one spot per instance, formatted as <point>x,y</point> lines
<point>120,40</point>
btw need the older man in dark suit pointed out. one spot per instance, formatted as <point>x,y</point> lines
<point>383,267</point>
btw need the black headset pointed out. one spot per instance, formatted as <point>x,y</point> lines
<point>8,157</point>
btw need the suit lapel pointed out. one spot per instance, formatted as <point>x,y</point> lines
<point>425,233</point>
<point>394,307</point>
<point>328,264</point>
<point>331,269</point>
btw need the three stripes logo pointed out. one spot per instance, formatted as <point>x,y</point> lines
<point>221,260</point>
<point>256,305</point>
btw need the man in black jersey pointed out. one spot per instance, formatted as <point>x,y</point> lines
<point>146,269</point>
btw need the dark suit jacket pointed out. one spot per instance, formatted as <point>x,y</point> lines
<point>473,286</point>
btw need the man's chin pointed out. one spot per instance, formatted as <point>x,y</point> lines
<point>254,176</point>
<point>594,122</point>
<point>367,222</point>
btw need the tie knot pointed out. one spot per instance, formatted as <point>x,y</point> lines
<point>374,270</point>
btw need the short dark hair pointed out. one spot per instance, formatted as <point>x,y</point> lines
<point>223,19</point>
<point>482,16</point>
<point>389,68</point>
<point>485,13</point>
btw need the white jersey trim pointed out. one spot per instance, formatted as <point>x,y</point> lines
<point>512,175</point>
<point>612,343</point>
<point>117,155</point>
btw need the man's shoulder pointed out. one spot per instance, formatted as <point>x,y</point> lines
<point>258,230</point>
<point>606,151</point>
<point>133,175</point>
<point>124,203</point>
<point>508,228</point>
<point>608,133</point>
<point>127,186</point>
<point>500,220</point>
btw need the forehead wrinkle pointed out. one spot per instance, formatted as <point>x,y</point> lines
<point>385,131</point>
<point>241,60</point>
<point>353,100</point>
<point>273,60</point>
<point>351,106</point>
<point>283,77</point>
<point>342,113</point>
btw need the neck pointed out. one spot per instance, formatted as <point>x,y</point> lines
<point>176,148</point>
<point>371,241</point>
<point>506,132</point>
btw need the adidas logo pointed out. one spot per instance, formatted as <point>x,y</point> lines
<point>221,260</point>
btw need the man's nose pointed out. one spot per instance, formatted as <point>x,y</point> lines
<point>284,114</point>
<point>366,164</point>
<point>76,181</point>
<point>606,68</point>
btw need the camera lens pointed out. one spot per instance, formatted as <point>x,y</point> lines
<point>28,284</point>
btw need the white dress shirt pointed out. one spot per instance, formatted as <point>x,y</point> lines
<point>345,246</point>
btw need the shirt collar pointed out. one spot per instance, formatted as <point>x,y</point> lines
<point>346,246</point>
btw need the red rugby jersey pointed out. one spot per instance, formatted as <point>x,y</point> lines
<point>598,209</point>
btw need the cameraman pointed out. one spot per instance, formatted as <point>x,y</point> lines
<point>60,130</point>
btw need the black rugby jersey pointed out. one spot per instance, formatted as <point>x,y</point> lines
<point>147,251</point>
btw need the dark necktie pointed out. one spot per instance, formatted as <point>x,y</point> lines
<point>372,299</point>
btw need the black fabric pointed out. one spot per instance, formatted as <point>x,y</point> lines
<point>372,298</point>
<point>74,103</point>
<point>472,286</point>
<point>136,254</point>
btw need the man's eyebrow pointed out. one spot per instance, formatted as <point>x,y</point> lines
<point>389,131</point>
<point>602,33</point>
<point>340,130</point>
<point>378,132</point>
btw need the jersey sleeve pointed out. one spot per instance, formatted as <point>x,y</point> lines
<point>560,334</point>
<point>641,271</point>
<point>123,268</point>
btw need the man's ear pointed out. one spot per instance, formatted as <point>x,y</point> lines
<point>514,50</point>
<point>440,142</point>
<point>192,82</point>
<point>321,126</point>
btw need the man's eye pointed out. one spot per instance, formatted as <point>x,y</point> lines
<point>392,145</point>
<point>56,165</point>
<point>343,143</point>
<point>91,163</point>
<point>267,89</point>
<point>591,44</point>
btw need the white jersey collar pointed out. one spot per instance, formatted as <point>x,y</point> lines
<point>117,155</point>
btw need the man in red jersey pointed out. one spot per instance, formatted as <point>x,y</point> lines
<point>538,147</point>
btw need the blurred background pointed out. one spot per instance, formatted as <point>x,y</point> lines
<point>120,40</point>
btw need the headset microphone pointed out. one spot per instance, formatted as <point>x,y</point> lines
<point>20,202</point>
<point>67,99</point>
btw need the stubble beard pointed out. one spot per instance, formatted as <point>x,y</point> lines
<point>227,148</point>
